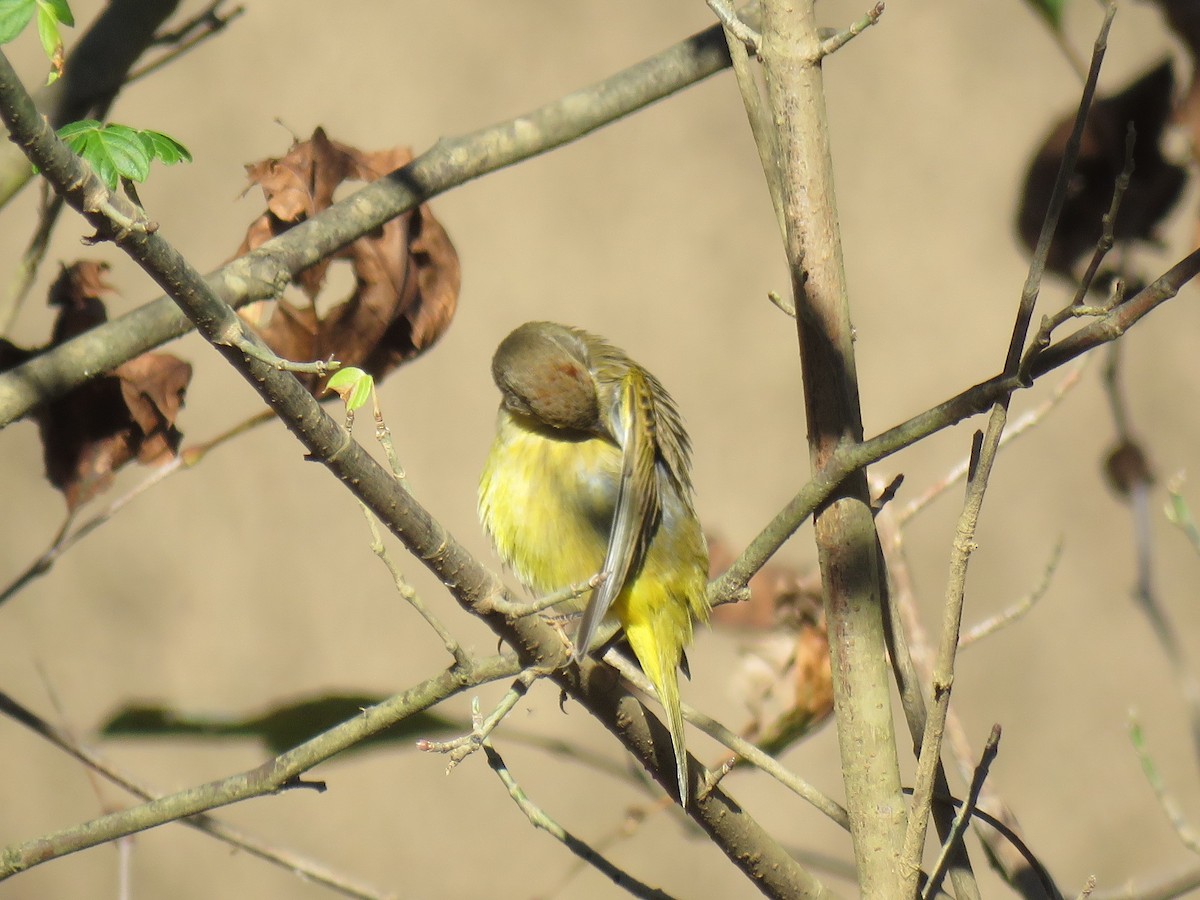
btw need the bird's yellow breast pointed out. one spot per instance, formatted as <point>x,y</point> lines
<point>548,503</point>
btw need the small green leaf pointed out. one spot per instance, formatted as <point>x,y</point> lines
<point>1050,10</point>
<point>118,151</point>
<point>114,151</point>
<point>352,385</point>
<point>14,16</point>
<point>47,26</point>
<point>164,147</point>
<point>62,12</point>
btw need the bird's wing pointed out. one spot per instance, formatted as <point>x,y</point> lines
<point>637,500</point>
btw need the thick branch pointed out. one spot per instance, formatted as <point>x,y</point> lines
<point>845,534</point>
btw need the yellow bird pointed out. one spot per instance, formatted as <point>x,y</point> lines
<point>589,473</point>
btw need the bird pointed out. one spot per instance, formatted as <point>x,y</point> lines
<point>589,474</point>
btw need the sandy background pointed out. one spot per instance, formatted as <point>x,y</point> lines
<point>249,579</point>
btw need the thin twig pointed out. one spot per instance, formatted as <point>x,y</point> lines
<point>985,449</point>
<point>539,819</point>
<point>409,593</point>
<point>481,729</point>
<point>1168,886</point>
<point>1058,197</point>
<point>1170,806</point>
<point>187,37</point>
<point>739,745</point>
<point>1179,513</point>
<point>1019,426</point>
<point>761,129</point>
<point>1002,844</point>
<point>750,40</point>
<point>1108,222</point>
<point>69,536</point>
<point>835,42</point>
<point>1136,484</point>
<point>1010,614</point>
<point>31,259</point>
<point>565,595</point>
<point>990,748</point>
<point>916,714</point>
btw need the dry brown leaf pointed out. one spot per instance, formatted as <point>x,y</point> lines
<point>1154,188</point>
<point>95,429</point>
<point>406,274</point>
<point>784,678</point>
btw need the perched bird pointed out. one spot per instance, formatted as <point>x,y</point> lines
<point>589,473</point>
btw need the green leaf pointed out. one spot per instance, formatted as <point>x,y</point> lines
<point>14,16</point>
<point>118,151</point>
<point>47,26</point>
<point>352,385</point>
<point>71,129</point>
<point>114,151</point>
<point>1050,10</point>
<point>62,12</point>
<point>164,147</point>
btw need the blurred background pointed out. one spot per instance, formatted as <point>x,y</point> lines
<point>249,579</point>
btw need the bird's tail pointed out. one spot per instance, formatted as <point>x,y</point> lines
<point>659,654</point>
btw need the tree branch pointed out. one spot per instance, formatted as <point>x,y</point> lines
<point>845,533</point>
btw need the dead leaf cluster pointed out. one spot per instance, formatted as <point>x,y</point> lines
<point>91,432</point>
<point>406,274</point>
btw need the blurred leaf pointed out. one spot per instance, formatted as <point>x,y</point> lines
<point>62,12</point>
<point>279,728</point>
<point>48,32</point>
<point>103,424</point>
<point>14,16</point>
<point>1179,513</point>
<point>1154,188</point>
<point>1050,10</point>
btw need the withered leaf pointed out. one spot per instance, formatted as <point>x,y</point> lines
<point>406,274</point>
<point>779,595</point>
<point>784,678</point>
<point>89,433</point>
<point>1154,188</point>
